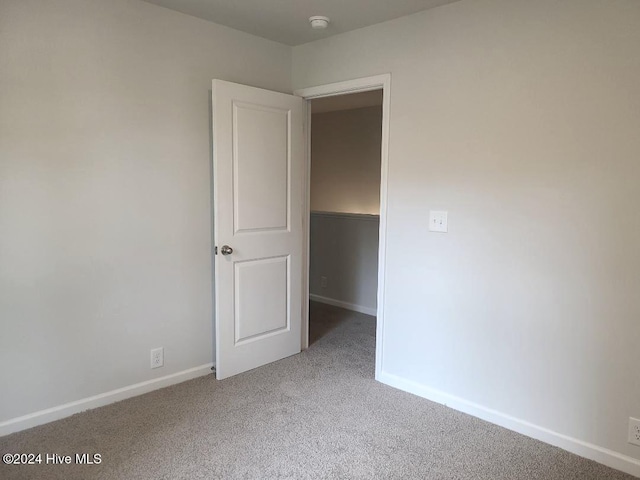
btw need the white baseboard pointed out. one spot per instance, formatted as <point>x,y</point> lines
<point>587,450</point>
<point>68,409</point>
<point>341,304</point>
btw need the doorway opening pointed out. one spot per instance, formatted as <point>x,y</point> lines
<point>347,165</point>
<point>346,136</point>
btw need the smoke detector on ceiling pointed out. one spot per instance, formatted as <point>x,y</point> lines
<point>319,22</point>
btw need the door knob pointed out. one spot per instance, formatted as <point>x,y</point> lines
<point>226,250</point>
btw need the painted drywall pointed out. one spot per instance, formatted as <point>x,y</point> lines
<point>520,119</point>
<point>105,218</point>
<point>345,161</point>
<point>350,101</point>
<point>344,249</point>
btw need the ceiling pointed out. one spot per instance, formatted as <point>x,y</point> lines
<point>287,21</point>
<point>347,102</point>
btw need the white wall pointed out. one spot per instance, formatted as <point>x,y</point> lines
<point>344,249</point>
<point>105,229</point>
<point>345,161</point>
<point>521,119</point>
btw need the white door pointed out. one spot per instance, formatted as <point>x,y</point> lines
<point>258,181</point>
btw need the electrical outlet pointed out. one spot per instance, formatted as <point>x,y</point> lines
<point>438,221</point>
<point>323,282</point>
<point>157,357</point>
<point>634,431</point>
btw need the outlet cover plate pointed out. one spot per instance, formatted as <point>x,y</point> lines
<point>634,431</point>
<point>157,357</point>
<point>438,221</point>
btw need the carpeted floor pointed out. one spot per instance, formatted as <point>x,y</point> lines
<point>319,414</point>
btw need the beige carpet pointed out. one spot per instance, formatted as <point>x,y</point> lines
<point>319,414</point>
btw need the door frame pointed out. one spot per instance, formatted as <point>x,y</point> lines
<point>357,85</point>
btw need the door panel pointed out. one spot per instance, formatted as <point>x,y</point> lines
<point>259,177</point>
<point>261,156</point>
<point>269,277</point>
